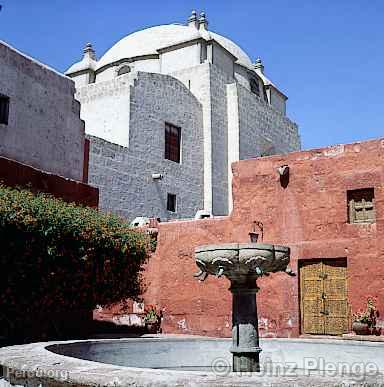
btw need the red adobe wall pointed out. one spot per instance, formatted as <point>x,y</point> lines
<point>309,216</point>
<point>13,173</point>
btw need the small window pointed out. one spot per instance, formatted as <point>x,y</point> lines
<point>255,89</point>
<point>361,206</point>
<point>4,109</point>
<point>171,202</point>
<point>123,70</point>
<point>172,142</point>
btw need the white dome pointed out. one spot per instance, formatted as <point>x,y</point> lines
<point>148,41</point>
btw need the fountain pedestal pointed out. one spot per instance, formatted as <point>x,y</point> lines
<point>242,264</point>
<point>245,334</point>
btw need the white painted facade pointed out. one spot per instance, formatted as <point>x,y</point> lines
<point>44,129</point>
<point>224,104</point>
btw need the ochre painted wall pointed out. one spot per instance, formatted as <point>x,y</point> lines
<point>309,215</point>
<point>15,174</point>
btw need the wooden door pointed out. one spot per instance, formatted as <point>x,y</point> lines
<point>323,296</point>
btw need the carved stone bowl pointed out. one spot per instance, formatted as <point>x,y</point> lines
<point>241,259</point>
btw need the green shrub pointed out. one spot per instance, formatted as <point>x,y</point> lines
<point>57,257</point>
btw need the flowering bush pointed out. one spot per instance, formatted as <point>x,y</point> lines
<point>369,315</point>
<point>58,257</point>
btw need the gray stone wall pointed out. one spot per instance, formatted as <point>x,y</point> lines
<point>278,101</point>
<point>256,128</point>
<point>197,100</point>
<point>219,80</point>
<point>242,76</point>
<point>44,128</point>
<point>123,174</point>
<point>223,59</point>
<point>263,129</point>
<point>208,82</point>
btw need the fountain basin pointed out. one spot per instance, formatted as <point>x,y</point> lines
<point>190,361</point>
<point>242,259</point>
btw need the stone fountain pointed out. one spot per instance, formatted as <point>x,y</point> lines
<point>243,264</point>
<point>202,361</point>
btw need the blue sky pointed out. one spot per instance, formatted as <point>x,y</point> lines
<point>326,55</point>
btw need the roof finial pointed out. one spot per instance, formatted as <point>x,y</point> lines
<point>203,22</point>
<point>258,65</point>
<point>89,51</point>
<point>192,20</point>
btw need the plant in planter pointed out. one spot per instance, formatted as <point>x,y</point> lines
<point>152,319</point>
<point>364,321</point>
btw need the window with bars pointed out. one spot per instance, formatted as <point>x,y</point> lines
<point>4,109</point>
<point>361,205</point>
<point>172,142</point>
<point>171,202</point>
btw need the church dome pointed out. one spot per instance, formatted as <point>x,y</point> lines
<point>148,41</point>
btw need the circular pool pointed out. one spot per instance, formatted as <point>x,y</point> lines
<point>191,361</point>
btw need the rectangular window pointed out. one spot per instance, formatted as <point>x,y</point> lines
<point>172,142</point>
<point>361,205</point>
<point>4,109</point>
<point>171,202</point>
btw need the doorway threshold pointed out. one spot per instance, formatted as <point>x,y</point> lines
<point>345,336</point>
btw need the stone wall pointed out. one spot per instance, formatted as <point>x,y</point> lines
<point>111,113</point>
<point>44,128</point>
<point>222,59</point>
<point>263,127</point>
<point>197,79</point>
<point>309,215</point>
<point>219,137</point>
<point>208,82</point>
<point>252,125</point>
<point>124,175</point>
<point>278,101</point>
